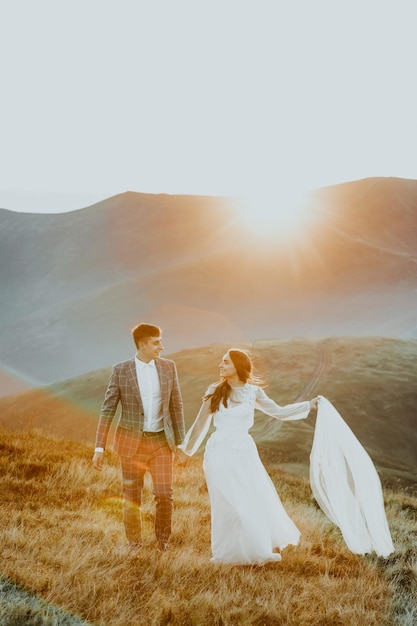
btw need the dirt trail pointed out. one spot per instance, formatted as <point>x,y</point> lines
<point>323,363</point>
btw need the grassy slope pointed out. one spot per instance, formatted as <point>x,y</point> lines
<point>62,539</point>
<point>62,536</point>
<point>371,381</point>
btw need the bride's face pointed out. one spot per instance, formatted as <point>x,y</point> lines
<point>226,367</point>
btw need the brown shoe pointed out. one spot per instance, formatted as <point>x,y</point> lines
<point>163,546</point>
<point>134,547</point>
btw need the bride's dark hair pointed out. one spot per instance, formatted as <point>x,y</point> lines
<point>244,369</point>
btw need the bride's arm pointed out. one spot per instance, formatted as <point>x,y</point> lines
<point>197,431</point>
<point>295,411</point>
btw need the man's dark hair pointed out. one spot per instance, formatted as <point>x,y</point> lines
<point>142,332</point>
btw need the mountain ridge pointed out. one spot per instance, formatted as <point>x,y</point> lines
<point>74,284</point>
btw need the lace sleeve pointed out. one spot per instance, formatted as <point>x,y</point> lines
<point>296,411</point>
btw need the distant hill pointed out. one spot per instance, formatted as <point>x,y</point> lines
<point>372,381</point>
<point>73,284</point>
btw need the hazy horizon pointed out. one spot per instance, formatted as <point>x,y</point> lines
<point>64,202</point>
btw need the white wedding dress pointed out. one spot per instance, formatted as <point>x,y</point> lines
<point>248,520</point>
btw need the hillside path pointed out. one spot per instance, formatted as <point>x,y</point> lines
<point>323,363</point>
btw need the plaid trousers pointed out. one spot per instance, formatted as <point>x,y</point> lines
<point>153,455</point>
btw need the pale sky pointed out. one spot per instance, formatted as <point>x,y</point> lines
<point>216,97</point>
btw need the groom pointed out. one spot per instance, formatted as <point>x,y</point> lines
<point>150,427</point>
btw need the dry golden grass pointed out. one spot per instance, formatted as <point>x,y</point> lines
<point>62,539</point>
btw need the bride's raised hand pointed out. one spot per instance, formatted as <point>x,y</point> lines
<point>314,403</point>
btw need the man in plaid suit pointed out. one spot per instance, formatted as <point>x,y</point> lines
<point>150,427</point>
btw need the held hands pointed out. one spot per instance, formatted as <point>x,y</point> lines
<point>98,460</point>
<point>181,457</point>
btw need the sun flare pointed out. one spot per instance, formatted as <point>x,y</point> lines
<point>274,215</point>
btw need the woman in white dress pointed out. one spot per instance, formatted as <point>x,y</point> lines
<point>248,522</point>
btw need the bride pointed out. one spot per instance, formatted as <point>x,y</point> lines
<point>248,521</point>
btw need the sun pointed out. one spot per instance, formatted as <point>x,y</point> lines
<point>274,214</point>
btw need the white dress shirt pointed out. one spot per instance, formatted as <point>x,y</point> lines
<point>150,391</point>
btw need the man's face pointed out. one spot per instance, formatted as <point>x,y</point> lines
<point>150,349</point>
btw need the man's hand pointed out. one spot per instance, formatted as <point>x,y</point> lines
<point>98,460</point>
<point>180,457</point>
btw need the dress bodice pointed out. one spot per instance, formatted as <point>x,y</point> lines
<point>238,416</point>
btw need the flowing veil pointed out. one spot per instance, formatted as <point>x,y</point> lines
<point>346,485</point>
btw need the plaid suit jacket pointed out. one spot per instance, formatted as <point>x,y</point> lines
<point>123,389</point>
